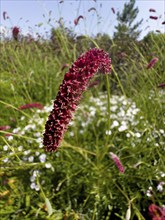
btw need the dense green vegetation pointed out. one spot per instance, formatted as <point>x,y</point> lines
<point>80,180</point>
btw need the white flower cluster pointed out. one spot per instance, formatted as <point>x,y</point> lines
<point>123,115</point>
<point>33,180</point>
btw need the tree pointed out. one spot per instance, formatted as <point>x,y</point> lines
<point>126,27</point>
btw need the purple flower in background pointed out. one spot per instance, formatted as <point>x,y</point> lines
<point>75,82</point>
<point>162,85</point>
<point>4,15</point>
<point>77,19</point>
<point>15,32</point>
<point>94,9</point>
<point>156,212</point>
<point>152,10</point>
<point>117,161</point>
<point>5,127</point>
<point>113,10</point>
<point>154,17</point>
<point>152,62</point>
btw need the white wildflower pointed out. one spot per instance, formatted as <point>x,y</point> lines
<point>161,131</point>
<point>37,187</point>
<point>148,193</point>
<point>115,124</point>
<point>6,160</point>
<point>22,118</point>
<point>123,127</point>
<point>160,186</point>
<point>128,135</point>
<point>41,145</point>
<point>32,178</point>
<point>121,113</point>
<point>48,165</point>
<point>162,174</point>
<point>16,130</point>
<point>42,158</point>
<point>71,123</point>
<point>47,109</point>
<point>10,138</point>
<point>125,102</point>
<point>37,134</point>
<point>37,153</point>
<point>32,185</point>
<point>81,131</point>
<point>26,152</point>
<point>31,159</point>
<point>36,173</point>
<point>40,121</point>
<point>103,108</point>
<point>113,108</point>
<point>108,132</point>
<point>38,111</point>
<point>138,135</point>
<point>22,132</point>
<point>71,133</point>
<point>39,140</point>
<point>20,148</point>
<point>5,147</point>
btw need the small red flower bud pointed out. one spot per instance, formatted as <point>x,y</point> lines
<point>92,9</point>
<point>4,15</point>
<point>77,19</point>
<point>117,161</point>
<point>113,10</point>
<point>152,62</point>
<point>162,85</point>
<point>152,10</point>
<point>154,17</point>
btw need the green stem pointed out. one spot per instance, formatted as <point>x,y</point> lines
<point>12,149</point>
<point>108,107</point>
<point>9,105</point>
<point>121,86</point>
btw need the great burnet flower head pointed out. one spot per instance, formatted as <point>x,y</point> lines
<point>15,32</point>
<point>75,82</point>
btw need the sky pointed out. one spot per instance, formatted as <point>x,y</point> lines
<point>39,16</point>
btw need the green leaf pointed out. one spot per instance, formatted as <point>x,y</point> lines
<point>49,207</point>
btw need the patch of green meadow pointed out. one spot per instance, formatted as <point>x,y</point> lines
<point>123,114</point>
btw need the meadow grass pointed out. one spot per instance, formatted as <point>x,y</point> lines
<point>80,180</point>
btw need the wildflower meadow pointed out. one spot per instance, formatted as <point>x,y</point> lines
<point>82,122</point>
